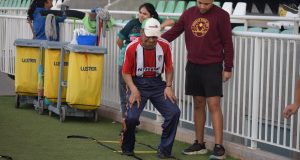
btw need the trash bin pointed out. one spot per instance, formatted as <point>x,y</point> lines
<point>52,51</point>
<point>85,76</point>
<point>84,83</point>
<point>27,61</point>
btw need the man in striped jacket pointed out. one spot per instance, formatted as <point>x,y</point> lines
<point>146,58</point>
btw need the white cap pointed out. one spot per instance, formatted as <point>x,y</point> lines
<point>151,27</point>
<point>59,3</point>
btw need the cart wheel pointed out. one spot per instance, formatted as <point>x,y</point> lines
<point>62,115</point>
<point>50,113</point>
<point>95,116</point>
<point>17,103</point>
<point>41,106</point>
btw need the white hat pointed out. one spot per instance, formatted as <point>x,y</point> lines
<point>151,27</point>
<point>59,3</point>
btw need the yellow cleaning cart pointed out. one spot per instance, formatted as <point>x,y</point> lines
<point>84,84</point>
<point>27,62</point>
<point>52,51</point>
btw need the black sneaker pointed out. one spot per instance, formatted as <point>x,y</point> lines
<point>196,148</point>
<point>218,153</point>
<point>161,155</point>
<point>127,153</point>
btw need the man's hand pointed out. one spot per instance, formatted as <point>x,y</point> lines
<point>289,110</point>
<point>168,93</point>
<point>135,97</point>
<point>226,76</point>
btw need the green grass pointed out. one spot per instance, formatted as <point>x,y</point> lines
<point>26,135</point>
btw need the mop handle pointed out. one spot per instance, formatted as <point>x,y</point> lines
<point>99,32</point>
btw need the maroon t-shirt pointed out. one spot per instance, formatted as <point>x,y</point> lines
<point>208,36</point>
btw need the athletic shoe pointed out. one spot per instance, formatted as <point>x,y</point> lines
<point>196,148</point>
<point>218,153</point>
<point>161,155</point>
<point>127,153</point>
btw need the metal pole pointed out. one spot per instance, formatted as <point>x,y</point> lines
<point>61,75</point>
<point>255,94</point>
<point>296,23</point>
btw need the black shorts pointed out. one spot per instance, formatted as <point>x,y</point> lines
<point>204,79</point>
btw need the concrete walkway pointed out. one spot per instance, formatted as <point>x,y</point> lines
<point>7,85</point>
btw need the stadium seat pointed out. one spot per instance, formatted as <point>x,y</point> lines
<point>240,9</point>
<point>255,29</point>
<point>170,7</point>
<point>6,2</point>
<point>19,3</point>
<point>153,2</point>
<point>2,3</point>
<point>28,3</point>
<point>10,3</point>
<point>118,21</point>
<point>23,2</point>
<point>16,3</point>
<point>288,25</point>
<point>254,9</point>
<point>227,6</point>
<point>190,4</point>
<point>271,30</point>
<point>239,28</point>
<point>280,24</point>
<point>160,6</point>
<point>13,3</point>
<point>260,6</point>
<point>216,3</point>
<point>268,10</point>
<point>276,24</point>
<point>287,31</point>
<point>179,9</point>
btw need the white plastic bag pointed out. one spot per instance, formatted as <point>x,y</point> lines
<point>79,32</point>
<point>75,35</point>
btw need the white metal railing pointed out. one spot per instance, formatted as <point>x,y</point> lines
<point>265,69</point>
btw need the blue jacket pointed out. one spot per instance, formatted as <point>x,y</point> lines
<point>39,24</point>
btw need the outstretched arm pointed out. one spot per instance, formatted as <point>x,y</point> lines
<point>167,22</point>
<point>175,31</point>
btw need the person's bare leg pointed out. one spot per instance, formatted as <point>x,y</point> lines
<point>217,117</point>
<point>199,117</point>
